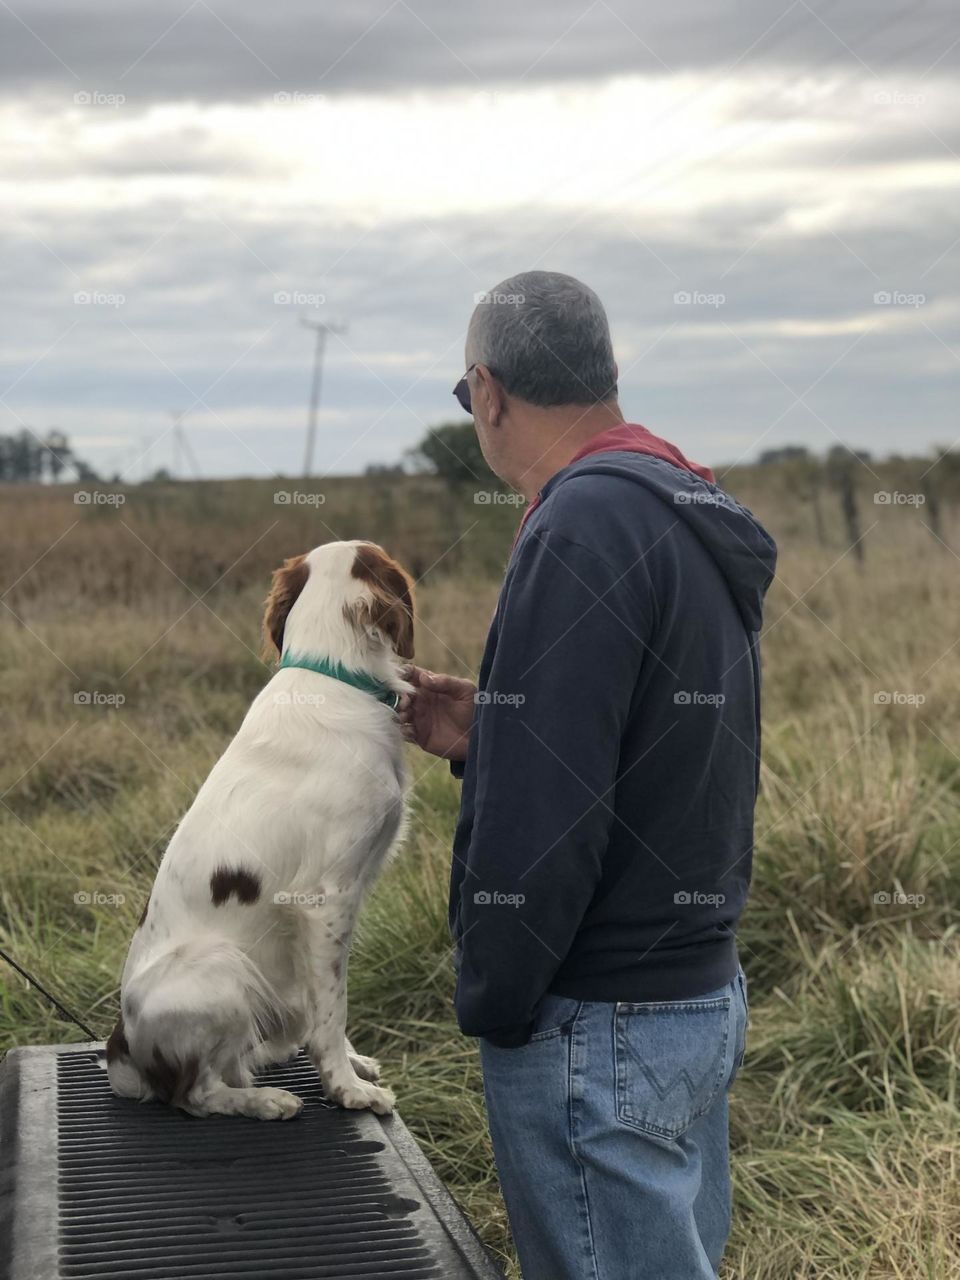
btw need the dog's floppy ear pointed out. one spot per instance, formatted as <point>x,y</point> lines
<point>388,605</point>
<point>288,582</point>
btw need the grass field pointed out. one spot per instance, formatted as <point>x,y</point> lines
<point>845,1117</point>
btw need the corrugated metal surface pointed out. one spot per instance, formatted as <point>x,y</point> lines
<point>143,1191</point>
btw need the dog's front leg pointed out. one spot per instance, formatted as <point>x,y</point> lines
<point>347,1079</point>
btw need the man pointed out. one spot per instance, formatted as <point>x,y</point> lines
<point>610,762</point>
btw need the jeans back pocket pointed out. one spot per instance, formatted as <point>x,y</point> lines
<point>671,1062</point>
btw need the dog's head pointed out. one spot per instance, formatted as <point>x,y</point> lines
<point>352,582</point>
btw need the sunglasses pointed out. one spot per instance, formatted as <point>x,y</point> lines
<point>462,391</point>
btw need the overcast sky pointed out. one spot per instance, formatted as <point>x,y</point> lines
<point>183,182</point>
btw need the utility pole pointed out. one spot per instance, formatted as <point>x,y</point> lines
<point>321,329</point>
<point>182,449</point>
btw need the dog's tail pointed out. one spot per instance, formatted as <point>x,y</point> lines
<point>195,1010</point>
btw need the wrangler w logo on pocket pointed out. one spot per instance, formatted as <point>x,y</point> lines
<point>672,1060</point>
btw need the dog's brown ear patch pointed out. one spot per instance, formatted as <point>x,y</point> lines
<point>288,582</point>
<point>390,608</point>
<point>226,881</point>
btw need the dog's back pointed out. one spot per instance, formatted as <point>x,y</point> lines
<point>241,954</point>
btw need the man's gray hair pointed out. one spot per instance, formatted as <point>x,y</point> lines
<point>546,338</point>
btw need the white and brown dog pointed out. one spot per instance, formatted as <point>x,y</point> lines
<point>240,957</point>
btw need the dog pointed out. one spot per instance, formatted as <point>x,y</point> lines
<point>240,956</point>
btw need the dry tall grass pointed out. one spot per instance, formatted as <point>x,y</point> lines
<point>845,1121</point>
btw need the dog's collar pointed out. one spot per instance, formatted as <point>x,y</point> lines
<point>337,671</point>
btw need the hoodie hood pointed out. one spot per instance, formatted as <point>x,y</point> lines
<point>742,549</point>
<point>630,437</point>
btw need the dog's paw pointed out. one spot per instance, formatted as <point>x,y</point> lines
<point>364,1096</point>
<point>366,1068</point>
<point>274,1104</point>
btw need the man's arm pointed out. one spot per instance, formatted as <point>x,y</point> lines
<point>547,741</point>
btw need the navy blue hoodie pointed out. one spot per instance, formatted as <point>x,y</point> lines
<point>603,850</point>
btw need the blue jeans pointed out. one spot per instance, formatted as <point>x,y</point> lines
<point>610,1135</point>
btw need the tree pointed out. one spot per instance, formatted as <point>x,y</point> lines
<point>805,476</point>
<point>785,453</point>
<point>26,459</point>
<point>85,473</point>
<point>384,470</point>
<point>452,452</point>
<point>840,463</point>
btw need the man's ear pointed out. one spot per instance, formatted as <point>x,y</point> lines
<point>288,582</point>
<point>490,393</point>
<point>388,603</point>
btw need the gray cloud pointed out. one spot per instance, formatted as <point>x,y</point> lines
<point>199,320</point>
<point>182,234</point>
<point>157,51</point>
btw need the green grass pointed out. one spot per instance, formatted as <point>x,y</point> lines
<point>844,1120</point>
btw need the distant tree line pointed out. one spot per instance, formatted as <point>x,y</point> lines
<point>834,479</point>
<point>26,458</point>
<point>924,484</point>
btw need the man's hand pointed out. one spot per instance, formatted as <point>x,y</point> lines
<point>438,715</point>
